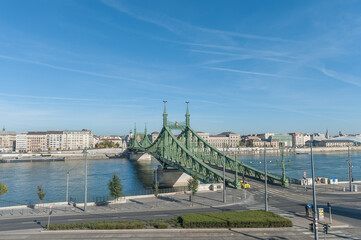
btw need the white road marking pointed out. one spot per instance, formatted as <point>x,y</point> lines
<point>78,219</point>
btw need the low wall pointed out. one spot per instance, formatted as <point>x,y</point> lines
<point>68,155</point>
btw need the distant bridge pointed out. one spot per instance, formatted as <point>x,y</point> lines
<point>191,154</point>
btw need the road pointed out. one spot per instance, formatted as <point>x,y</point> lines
<point>289,202</point>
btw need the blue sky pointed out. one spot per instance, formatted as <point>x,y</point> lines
<point>245,66</point>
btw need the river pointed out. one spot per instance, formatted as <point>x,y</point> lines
<point>22,179</point>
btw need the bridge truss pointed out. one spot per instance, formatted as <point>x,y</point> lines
<point>190,153</point>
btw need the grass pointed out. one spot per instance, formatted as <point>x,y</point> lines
<point>232,219</point>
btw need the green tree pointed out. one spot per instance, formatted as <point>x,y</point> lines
<point>115,187</point>
<point>193,184</point>
<point>3,189</point>
<point>41,193</point>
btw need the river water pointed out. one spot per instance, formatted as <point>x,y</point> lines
<point>22,179</point>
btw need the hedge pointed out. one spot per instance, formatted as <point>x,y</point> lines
<point>99,225</point>
<point>244,219</point>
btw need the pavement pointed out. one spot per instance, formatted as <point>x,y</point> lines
<point>169,205</point>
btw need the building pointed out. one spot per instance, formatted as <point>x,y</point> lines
<point>306,138</point>
<point>246,140</point>
<point>265,136</point>
<point>154,136</point>
<point>54,140</point>
<point>319,136</point>
<point>7,141</point>
<point>284,139</point>
<point>76,139</point>
<point>21,142</point>
<point>224,139</point>
<point>36,142</point>
<point>260,143</point>
<point>297,139</point>
<point>116,140</point>
<point>335,143</point>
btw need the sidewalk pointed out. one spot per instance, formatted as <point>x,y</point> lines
<point>178,200</point>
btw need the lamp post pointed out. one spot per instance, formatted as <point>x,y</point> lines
<point>349,169</point>
<point>265,180</point>
<point>67,187</point>
<point>86,179</point>
<point>224,175</point>
<point>315,213</point>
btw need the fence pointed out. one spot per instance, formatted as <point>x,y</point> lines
<point>96,199</point>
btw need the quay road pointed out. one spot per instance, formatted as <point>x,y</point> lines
<point>346,211</point>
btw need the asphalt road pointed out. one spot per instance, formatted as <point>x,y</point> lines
<point>346,207</point>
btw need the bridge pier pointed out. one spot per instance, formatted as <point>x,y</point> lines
<point>172,178</point>
<point>139,156</point>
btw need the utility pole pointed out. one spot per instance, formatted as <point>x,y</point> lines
<point>224,175</point>
<point>86,179</point>
<point>67,187</point>
<point>315,211</point>
<point>284,184</point>
<point>349,169</point>
<point>265,180</point>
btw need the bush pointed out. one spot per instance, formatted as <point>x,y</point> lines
<point>202,220</point>
<point>99,225</point>
<point>162,225</point>
<point>245,219</point>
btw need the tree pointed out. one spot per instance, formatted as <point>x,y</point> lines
<point>115,187</point>
<point>3,189</point>
<point>41,193</point>
<point>193,186</point>
<point>156,191</point>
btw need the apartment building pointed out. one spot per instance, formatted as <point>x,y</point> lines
<point>21,142</point>
<point>77,139</point>
<point>54,140</point>
<point>36,142</point>
<point>7,141</point>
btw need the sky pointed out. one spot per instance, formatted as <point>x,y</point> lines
<point>244,66</point>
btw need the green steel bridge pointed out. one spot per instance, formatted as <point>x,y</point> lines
<point>191,154</point>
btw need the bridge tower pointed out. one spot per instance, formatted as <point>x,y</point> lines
<point>165,123</point>
<point>187,134</point>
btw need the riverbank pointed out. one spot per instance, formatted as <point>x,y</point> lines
<point>249,151</point>
<point>101,153</point>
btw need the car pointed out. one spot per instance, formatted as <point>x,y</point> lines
<point>245,185</point>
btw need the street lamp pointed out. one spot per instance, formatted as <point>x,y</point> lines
<point>86,179</point>
<point>265,180</point>
<point>349,169</point>
<point>67,187</point>
<point>224,175</point>
<point>315,213</point>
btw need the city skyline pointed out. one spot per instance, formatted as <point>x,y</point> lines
<point>247,67</point>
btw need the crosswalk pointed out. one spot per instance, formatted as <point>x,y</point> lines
<point>257,189</point>
<point>332,234</point>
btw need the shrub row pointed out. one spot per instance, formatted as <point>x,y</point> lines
<point>99,225</point>
<point>245,219</point>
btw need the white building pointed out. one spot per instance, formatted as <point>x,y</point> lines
<point>297,139</point>
<point>76,139</point>
<point>54,140</point>
<point>7,141</point>
<point>21,142</point>
<point>154,136</point>
<point>265,136</point>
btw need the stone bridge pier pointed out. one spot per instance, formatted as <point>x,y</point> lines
<point>172,177</point>
<point>139,156</point>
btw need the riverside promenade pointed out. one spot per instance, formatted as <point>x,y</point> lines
<point>30,222</point>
